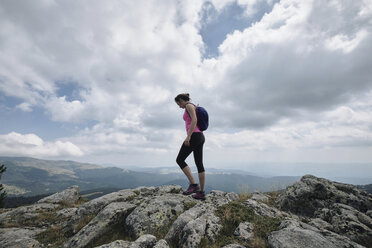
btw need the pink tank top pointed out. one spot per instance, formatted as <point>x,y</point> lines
<point>187,119</point>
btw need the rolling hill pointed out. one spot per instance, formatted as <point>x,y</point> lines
<point>29,176</point>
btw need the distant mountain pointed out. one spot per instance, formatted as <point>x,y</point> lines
<point>367,188</point>
<point>29,177</point>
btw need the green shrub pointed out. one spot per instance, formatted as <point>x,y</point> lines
<point>244,193</point>
<point>52,237</point>
<point>188,205</point>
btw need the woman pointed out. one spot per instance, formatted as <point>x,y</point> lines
<point>193,143</point>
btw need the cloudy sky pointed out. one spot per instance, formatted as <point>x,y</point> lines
<point>284,82</point>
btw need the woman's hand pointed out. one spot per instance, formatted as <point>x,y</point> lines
<point>187,141</point>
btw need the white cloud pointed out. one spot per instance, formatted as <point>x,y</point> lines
<point>282,66</point>
<point>292,82</point>
<point>25,106</point>
<point>16,144</point>
<point>114,51</point>
<point>345,43</point>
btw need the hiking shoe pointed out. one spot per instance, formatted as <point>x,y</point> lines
<point>192,189</point>
<point>199,195</point>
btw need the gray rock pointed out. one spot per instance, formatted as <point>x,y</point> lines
<point>205,212</point>
<point>219,198</point>
<point>19,237</point>
<point>155,213</point>
<point>169,189</point>
<point>26,214</point>
<point>299,238</point>
<point>161,244</point>
<point>339,240</point>
<point>347,221</point>
<point>257,196</point>
<point>93,207</point>
<point>152,210</point>
<point>116,244</point>
<point>244,231</point>
<point>192,233</point>
<point>369,213</point>
<point>145,241</point>
<point>174,233</point>
<point>312,193</point>
<point>214,225</point>
<point>262,209</point>
<point>67,197</point>
<point>233,246</point>
<point>321,224</point>
<point>146,191</point>
<point>297,234</point>
<point>205,225</point>
<point>180,231</point>
<point>66,212</point>
<point>112,214</point>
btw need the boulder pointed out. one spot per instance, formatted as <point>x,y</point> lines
<point>321,224</point>
<point>206,225</point>
<point>26,215</point>
<point>331,206</point>
<point>181,231</point>
<point>311,193</point>
<point>219,198</point>
<point>262,209</point>
<point>369,213</point>
<point>67,197</point>
<point>19,237</point>
<point>333,215</point>
<point>257,196</point>
<point>145,241</point>
<point>66,213</point>
<point>192,233</point>
<point>175,231</point>
<point>244,231</point>
<point>347,221</point>
<point>161,190</point>
<point>116,244</point>
<point>294,233</point>
<point>214,225</point>
<point>234,246</point>
<point>93,207</point>
<point>169,189</point>
<point>155,213</point>
<point>112,214</point>
<point>161,244</point>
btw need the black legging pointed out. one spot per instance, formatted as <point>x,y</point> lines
<point>196,145</point>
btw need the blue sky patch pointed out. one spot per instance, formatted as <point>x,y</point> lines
<point>69,89</point>
<point>216,26</point>
<point>36,121</point>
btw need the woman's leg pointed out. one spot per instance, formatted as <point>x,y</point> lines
<point>198,157</point>
<point>182,155</point>
<point>188,174</point>
<point>201,180</point>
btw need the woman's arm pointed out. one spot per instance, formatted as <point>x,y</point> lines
<point>191,110</point>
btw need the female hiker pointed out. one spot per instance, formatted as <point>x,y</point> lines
<point>193,143</point>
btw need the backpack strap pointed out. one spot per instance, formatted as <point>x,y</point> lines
<point>195,109</point>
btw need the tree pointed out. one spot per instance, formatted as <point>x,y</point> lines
<point>2,190</point>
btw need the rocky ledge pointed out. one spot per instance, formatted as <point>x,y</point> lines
<point>313,212</point>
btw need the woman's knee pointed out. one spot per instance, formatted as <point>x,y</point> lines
<point>181,162</point>
<point>200,168</point>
